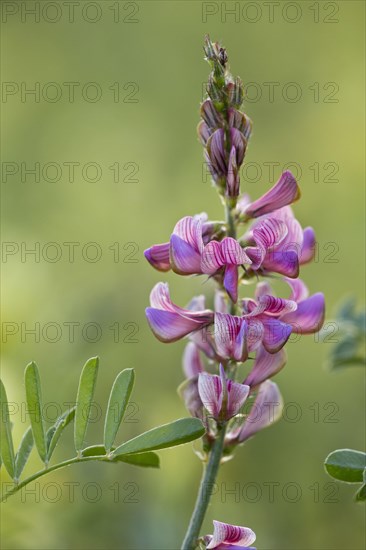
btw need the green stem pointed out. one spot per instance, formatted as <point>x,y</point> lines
<point>205,492</point>
<point>230,222</point>
<point>41,473</point>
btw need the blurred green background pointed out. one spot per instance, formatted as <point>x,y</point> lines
<point>157,46</point>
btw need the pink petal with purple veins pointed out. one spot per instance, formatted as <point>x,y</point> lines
<point>224,533</point>
<point>216,151</point>
<point>284,192</point>
<point>308,247</point>
<point>266,234</point>
<point>221,305</point>
<point>267,409</point>
<point>262,289</point>
<point>169,326</point>
<point>265,366</point>
<point>239,142</point>
<point>309,316</point>
<point>237,395</point>
<point>233,253</point>
<point>212,258</point>
<point>299,290</point>
<point>158,256</point>
<point>170,322</point>
<point>185,259</point>
<point>192,361</point>
<point>210,391</point>
<point>230,337</point>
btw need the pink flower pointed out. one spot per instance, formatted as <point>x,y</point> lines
<point>222,398</point>
<point>226,537</point>
<point>170,322</point>
<point>266,410</point>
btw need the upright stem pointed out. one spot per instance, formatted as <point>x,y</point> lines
<point>205,491</point>
<point>210,472</point>
<point>230,222</point>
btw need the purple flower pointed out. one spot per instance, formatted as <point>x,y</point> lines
<point>226,537</point>
<point>291,248</point>
<point>192,361</point>
<point>266,410</point>
<point>227,254</point>
<point>158,256</point>
<point>170,322</point>
<point>284,192</point>
<point>309,315</point>
<point>191,397</point>
<point>222,398</point>
<point>265,366</point>
<point>236,336</point>
<point>183,252</point>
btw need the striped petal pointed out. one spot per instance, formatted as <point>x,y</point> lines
<point>224,533</point>
<point>186,245</point>
<point>266,410</point>
<point>309,316</point>
<point>158,256</point>
<point>308,247</point>
<point>221,305</point>
<point>211,393</point>
<point>233,253</point>
<point>212,258</point>
<point>284,192</point>
<point>266,234</point>
<point>168,326</point>
<point>189,393</point>
<point>299,290</point>
<point>216,152</point>
<point>170,322</point>
<point>237,395</point>
<point>230,337</point>
<point>265,366</point>
<point>239,142</point>
<point>192,361</point>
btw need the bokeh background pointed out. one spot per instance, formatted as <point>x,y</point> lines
<point>153,50</point>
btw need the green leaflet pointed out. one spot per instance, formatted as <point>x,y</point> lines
<point>169,435</point>
<point>34,404</point>
<point>54,433</point>
<point>118,401</point>
<point>25,448</point>
<point>83,401</point>
<point>6,440</point>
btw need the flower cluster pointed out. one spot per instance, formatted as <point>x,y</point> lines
<point>251,330</point>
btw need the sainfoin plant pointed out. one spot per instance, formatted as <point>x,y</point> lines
<point>258,241</point>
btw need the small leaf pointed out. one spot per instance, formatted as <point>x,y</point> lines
<point>118,401</point>
<point>83,401</point>
<point>360,496</point>
<point>6,440</point>
<point>55,431</point>
<point>146,460</point>
<point>346,465</point>
<point>25,448</point>
<point>94,450</point>
<point>34,404</point>
<point>169,435</point>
